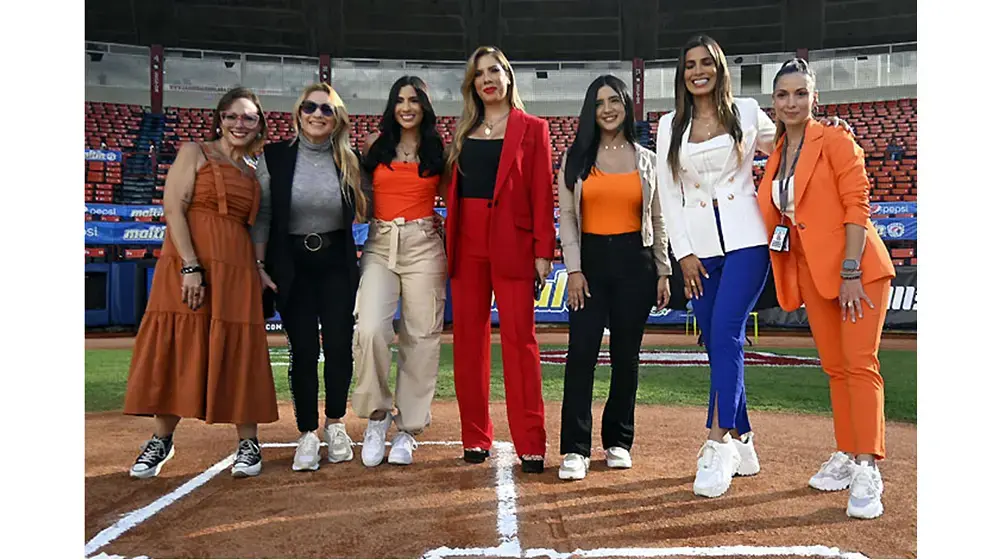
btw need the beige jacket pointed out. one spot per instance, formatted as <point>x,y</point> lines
<point>654,231</point>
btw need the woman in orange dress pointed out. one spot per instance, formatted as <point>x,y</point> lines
<point>201,351</point>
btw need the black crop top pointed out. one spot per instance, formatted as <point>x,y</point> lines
<point>479,161</point>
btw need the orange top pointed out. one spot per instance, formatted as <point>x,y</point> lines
<point>611,203</point>
<point>402,192</point>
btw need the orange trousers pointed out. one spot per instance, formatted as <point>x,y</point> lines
<point>848,353</point>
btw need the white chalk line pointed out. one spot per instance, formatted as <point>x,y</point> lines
<point>509,544</point>
<point>507,523</point>
<point>135,517</point>
<point>739,551</point>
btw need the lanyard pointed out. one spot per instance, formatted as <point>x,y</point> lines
<point>782,179</point>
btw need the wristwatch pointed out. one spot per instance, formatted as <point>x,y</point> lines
<point>850,264</point>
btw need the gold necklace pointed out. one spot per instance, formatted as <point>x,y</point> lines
<point>488,126</point>
<point>618,147</point>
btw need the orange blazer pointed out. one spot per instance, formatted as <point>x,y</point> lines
<point>831,190</point>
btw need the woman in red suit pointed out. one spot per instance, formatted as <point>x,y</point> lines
<point>500,238</point>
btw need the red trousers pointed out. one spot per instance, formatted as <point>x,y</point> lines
<point>473,282</point>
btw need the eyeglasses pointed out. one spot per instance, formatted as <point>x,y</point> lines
<point>249,119</point>
<point>309,107</point>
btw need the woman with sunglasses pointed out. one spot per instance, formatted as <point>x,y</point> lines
<point>201,351</point>
<point>501,240</point>
<point>704,153</point>
<point>403,263</point>
<point>615,248</point>
<point>311,194</point>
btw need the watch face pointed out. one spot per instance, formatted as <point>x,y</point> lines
<point>850,264</point>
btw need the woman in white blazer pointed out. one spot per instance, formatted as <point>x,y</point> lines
<point>704,153</point>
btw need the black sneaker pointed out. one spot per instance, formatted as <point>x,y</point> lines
<point>155,452</point>
<point>532,464</point>
<point>248,461</point>
<point>475,455</point>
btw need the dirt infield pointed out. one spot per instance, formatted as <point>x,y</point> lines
<point>347,510</point>
<point>561,336</point>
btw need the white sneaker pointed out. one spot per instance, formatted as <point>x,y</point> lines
<point>717,462</point>
<point>306,453</point>
<point>749,463</point>
<point>338,443</point>
<point>401,452</point>
<point>835,474</point>
<point>865,501</point>
<point>373,449</point>
<point>574,467</point>
<point>618,458</point>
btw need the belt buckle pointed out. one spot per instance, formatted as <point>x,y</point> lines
<point>305,242</point>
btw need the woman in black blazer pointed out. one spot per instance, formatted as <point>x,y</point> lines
<point>311,194</point>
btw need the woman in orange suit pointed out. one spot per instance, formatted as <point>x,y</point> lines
<point>826,253</point>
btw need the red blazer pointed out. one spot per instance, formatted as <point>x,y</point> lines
<point>523,224</point>
<point>831,190</point>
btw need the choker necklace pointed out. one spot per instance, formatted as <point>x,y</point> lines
<point>618,147</point>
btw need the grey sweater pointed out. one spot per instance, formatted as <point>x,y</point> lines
<point>316,201</point>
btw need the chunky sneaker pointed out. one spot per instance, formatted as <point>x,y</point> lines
<point>155,452</point>
<point>835,474</point>
<point>618,458</point>
<point>865,501</point>
<point>717,462</point>
<point>401,452</point>
<point>749,463</point>
<point>306,453</point>
<point>574,467</point>
<point>248,461</point>
<point>338,443</point>
<point>373,449</point>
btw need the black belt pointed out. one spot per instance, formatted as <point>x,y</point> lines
<point>315,241</point>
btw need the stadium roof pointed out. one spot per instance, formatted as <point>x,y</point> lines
<point>524,29</point>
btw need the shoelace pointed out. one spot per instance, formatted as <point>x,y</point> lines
<point>153,450</point>
<point>710,460</point>
<point>836,464</point>
<point>247,452</point>
<point>868,484</point>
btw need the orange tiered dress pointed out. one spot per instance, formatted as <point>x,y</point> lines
<point>211,363</point>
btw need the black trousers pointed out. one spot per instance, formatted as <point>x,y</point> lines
<point>622,278</point>
<point>321,292</point>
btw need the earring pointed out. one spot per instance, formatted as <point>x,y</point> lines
<point>218,131</point>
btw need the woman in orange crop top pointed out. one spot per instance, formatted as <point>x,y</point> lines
<point>403,258</point>
<point>614,244</point>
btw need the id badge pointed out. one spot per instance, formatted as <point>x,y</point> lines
<point>779,240</point>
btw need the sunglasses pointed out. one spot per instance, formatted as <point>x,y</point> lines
<point>249,120</point>
<point>309,107</point>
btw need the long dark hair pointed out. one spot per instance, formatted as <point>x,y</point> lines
<point>431,147</point>
<point>232,95</point>
<point>684,102</point>
<point>792,66</point>
<point>582,153</point>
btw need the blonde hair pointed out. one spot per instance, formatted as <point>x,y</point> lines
<point>473,110</point>
<point>343,156</point>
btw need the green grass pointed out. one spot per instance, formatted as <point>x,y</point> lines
<point>791,389</point>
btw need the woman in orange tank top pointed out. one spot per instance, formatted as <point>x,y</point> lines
<point>614,244</point>
<point>403,259</point>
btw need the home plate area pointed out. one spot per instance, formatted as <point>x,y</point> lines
<point>680,358</point>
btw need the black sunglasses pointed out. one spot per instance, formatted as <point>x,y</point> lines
<point>309,107</point>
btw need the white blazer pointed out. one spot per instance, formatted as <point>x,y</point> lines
<point>688,205</point>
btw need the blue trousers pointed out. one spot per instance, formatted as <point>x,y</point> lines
<point>735,281</point>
